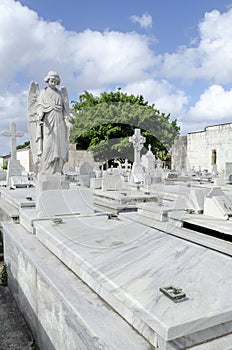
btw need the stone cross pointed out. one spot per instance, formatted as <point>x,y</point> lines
<point>13,134</point>
<point>138,141</point>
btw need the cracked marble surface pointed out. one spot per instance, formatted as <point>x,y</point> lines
<point>126,263</point>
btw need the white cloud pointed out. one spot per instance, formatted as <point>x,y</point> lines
<point>12,109</point>
<point>213,107</point>
<point>99,61</point>
<point>87,60</point>
<point>166,97</point>
<point>211,59</point>
<point>145,20</point>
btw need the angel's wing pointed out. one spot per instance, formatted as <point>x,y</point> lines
<point>33,94</point>
<point>66,100</point>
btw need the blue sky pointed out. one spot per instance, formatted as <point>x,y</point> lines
<point>178,54</point>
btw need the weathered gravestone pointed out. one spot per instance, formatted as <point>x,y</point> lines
<point>112,182</point>
<point>137,173</point>
<point>86,173</point>
<point>14,166</point>
<point>3,174</point>
<point>228,172</point>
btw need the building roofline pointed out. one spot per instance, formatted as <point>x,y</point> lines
<point>208,126</point>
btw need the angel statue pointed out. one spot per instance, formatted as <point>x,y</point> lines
<point>48,124</point>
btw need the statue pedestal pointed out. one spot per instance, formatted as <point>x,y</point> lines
<point>48,182</point>
<point>51,182</point>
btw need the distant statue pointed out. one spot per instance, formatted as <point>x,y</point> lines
<point>48,123</point>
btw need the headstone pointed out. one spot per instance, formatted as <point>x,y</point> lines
<point>153,211</point>
<point>3,174</point>
<point>14,166</point>
<point>172,175</point>
<point>228,172</point>
<point>86,173</point>
<point>95,183</point>
<point>72,175</point>
<point>220,180</point>
<point>148,161</point>
<point>217,204</point>
<point>112,182</point>
<point>137,173</point>
<point>19,181</point>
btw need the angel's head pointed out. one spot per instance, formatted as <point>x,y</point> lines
<point>52,77</point>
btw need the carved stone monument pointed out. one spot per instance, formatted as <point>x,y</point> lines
<point>14,166</point>
<point>137,173</point>
<point>48,124</point>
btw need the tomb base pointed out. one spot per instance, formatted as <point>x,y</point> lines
<point>46,182</point>
<point>51,182</point>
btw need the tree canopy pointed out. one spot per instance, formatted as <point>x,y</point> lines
<point>103,125</point>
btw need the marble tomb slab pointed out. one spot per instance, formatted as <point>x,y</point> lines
<point>126,263</point>
<point>20,197</point>
<point>39,281</point>
<point>66,202</point>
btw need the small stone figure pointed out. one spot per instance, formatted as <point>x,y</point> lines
<point>48,122</point>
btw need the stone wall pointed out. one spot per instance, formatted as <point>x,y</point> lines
<point>25,157</point>
<point>203,149</point>
<point>76,157</point>
<point>208,147</point>
<point>179,154</point>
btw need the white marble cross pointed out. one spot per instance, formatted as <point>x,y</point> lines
<point>138,141</point>
<point>13,134</point>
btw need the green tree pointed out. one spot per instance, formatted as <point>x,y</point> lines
<point>103,125</point>
<point>24,145</point>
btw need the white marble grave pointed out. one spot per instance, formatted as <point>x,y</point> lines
<point>217,204</point>
<point>19,181</point>
<point>14,166</point>
<point>86,173</point>
<point>137,172</point>
<point>65,202</point>
<point>112,182</point>
<point>126,263</point>
<point>196,199</point>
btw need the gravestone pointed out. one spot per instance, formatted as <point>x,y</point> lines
<point>112,182</point>
<point>148,161</point>
<point>3,174</point>
<point>217,204</point>
<point>14,166</point>
<point>228,172</point>
<point>137,173</point>
<point>19,181</point>
<point>152,175</point>
<point>86,173</point>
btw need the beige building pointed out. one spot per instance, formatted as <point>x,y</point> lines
<point>24,155</point>
<point>208,149</point>
<point>75,158</point>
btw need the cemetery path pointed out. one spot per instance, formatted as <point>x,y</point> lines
<point>14,332</point>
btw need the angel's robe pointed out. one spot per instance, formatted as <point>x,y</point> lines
<point>51,106</point>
